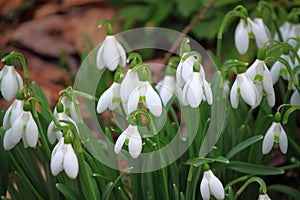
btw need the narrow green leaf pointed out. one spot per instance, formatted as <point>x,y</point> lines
<point>4,165</point>
<point>23,187</point>
<point>286,190</point>
<point>176,192</point>
<point>42,96</point>
<point>243,145</point>
<point>122,193</point>
<point>249,168</point>
<point>66,191</point>
<point>198,161</point>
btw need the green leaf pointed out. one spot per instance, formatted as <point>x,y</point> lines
<point>4,165</point>
<point>219,159</point>
<point>162,10</point>
<point>42,96</point>
<point>286,190</point>
<point>66,191</point>
<point>254,169</point>
<point>186,8</point>
<point>243,145</point>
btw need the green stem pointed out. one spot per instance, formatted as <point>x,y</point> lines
<point>248,182</point>
<point>189,181</point>
<point>22,173</point>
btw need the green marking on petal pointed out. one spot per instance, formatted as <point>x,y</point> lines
<point>116,100</point>
<point>258,78</point>
<point>276,138</point>
<point>127,141</point>
<point>239,90</point>
<point>142,99</point>
<point>283,72</point>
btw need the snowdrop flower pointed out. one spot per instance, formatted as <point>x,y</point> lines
<point>110,98</point>
<point>275,134</point>
<point>60,116</point>
<point>259,73</point>
<point>279,69</point>
<point>23,127</point>
<point>245,87</point>
<point>111,54</point>
<point>135,141</point>
<point>63,157</point>
<point>260,31</point>
<point>12,113</point>
<point>147,94</point>
<point>69,108</point>
<point>211,185</point>
<point>185,69</point>
<point>129,83</point>
<point>10,82</point>
<point>241,36</point>
<point>166,88</point>
<point>264,197</point>
<point>195,90</point>
<point>295,98</point>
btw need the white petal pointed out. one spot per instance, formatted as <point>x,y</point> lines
<point>234,96</point>
<point>204,189</point>
<point>275,71</point>
<point>17,129</point>
<point>263,197</point>
<point>187,68</point>
<point>184,94</point>
<point>70,162</point>
<point>110,54</point>
<point>129,83</point>
<point>133,101</point>
<point>6,119</point>
<point>283,141</point>
<point>122,54</point>
<point>105,100</point>
<point>56,164</point>
<point>268,139</point>
<point>153,102</point>
<point>100,61</point>
<point>295,98</point>
<point>19,81</point>
<point>135,143</point>
<point>241,37</point>
<point>31,132</point>
<point>7,142</point>
<point>248,90</point>
<point>9,85</point>
<point>207,92</point>
<point>116,96</point>
<point>216,187</point>
<point>179,80</point>
<point>251,71</point>
<point>194,91</point>
<point>166,89</point>
<point>259,33</point>
<point>120,142</point>
<point>50,133</point>
<point>17,110</point>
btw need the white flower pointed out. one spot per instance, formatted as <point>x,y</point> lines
<point>211,185</point>
<point>295,98</point>
<point>260,31</point>
<point>23,127</point>
<point>195,90</point>
<point>264,197</point>
<point>149,97</point>
<point>110,98</point>
<point>63,157</point>
<point>12,113</point>
<point>135,141</point>
<point>185,70</point>
<point>53,135</point>
<point>241,36</point>
<point>69,108</point>
<point>245,87</point>
<point>166,88</point>
<point>275,134</point>
<point>10,82</point>
<point>129,83</point>
<point>259,73</point>
<point>279,69</point>
<point>288,30</point>
<point>111,54</point>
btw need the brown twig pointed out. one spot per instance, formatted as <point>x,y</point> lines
<point>186,30</point>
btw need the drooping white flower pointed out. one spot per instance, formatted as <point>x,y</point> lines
<point>279,69</point>
<point>12,113</point>
<point>275,134</point>
<point>245,87</point>
<point>195,90</point>
<point>166,88</point>
<point>185,70</point>
<point>132,134</point>
<point>23,127</point>
<point>10,82</point>
<point>110,98</point>
<point>211,185</point>
<point>129,83</point>
<point>259,73</point>
<point>295,98</point>
<point>288,30</point>
<point>70,108</point>
<point>63,157</point>
<point>241,36</point>
<point>111,54</point>
<point>260,31</point>
<point>264,197</point>
<point>56,135</point>
<point>149,97</point>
